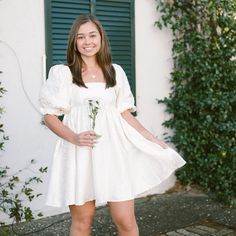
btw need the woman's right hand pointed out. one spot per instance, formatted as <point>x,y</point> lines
<point>86,138</point>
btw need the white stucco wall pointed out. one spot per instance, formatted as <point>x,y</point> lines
<point>22,39</point>
<point>153,66</point>
<point>22,28</point>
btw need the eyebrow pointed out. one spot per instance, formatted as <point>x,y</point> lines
<point>92,32</point>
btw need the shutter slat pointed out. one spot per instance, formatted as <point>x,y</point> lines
<point>122,4</point>
<point>70,5</point>
<point>113,18</point>
<point>70,2</point>
<point>69,10</point>
<point>59,42</point>
<point>66,27</point>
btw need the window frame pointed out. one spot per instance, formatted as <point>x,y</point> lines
<point>92,9</point>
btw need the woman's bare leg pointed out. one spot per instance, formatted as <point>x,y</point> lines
<point>124,217</point>
<point>82,218</point>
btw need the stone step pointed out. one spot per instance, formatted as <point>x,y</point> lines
<point>206,229</point>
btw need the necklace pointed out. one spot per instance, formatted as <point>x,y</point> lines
<point>92,73</point>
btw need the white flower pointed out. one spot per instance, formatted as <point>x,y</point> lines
<point>218,30</point>
<point>93,111</point>
<point>233,58</point>
<point>170,2</point>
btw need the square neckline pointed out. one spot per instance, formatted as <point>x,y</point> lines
<point>94,82</point>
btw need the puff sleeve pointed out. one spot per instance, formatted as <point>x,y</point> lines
<point>125,98</point>
<point>54,97</point>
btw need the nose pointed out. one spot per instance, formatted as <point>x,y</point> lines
<point>87,40</point>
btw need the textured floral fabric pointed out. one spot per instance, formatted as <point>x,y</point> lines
<point>123,163</point>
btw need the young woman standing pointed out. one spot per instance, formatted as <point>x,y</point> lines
<point>111,161</point>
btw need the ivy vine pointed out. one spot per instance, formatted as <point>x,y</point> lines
<point>15,190</point>
<point>202,101</point>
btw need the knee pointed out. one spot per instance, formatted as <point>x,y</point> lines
<point>126,225</point>
<point>82,223</point>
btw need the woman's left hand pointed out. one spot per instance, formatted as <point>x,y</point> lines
<point>144,132</point>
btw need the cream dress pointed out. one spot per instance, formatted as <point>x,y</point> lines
<point>123,163</point>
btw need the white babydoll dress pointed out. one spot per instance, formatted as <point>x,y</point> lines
<point>123,163</point>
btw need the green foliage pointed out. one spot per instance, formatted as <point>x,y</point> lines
<point>202,102</point>
<point>14,189</point>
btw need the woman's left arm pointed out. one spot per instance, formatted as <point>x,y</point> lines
<point>138,126</point>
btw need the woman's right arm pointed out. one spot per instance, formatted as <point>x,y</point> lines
<point>87,138</point>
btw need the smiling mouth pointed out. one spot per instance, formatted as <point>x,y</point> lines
<point>88,49</point>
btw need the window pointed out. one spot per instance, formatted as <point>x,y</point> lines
<point>116,16</point>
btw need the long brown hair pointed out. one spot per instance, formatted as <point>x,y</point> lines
<point>103,57</point>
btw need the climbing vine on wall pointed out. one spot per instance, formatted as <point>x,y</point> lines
<point>202,102</point>
<point>15,190</point>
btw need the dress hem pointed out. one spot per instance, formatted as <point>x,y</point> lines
<point>136,195</point>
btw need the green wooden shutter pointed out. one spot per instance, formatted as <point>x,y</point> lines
<point>60,15</point>
<point>116,16</point>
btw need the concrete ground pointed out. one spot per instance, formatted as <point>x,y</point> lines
<point>177,213</point>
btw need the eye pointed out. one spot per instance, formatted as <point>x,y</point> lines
<point>93,35</point>
<point>80,37</point>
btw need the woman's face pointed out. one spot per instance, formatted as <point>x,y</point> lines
<point>88,40</point>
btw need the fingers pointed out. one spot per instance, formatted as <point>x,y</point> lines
<point>164,146</point>
<point>88,135</point>
<point>90,132</point>
<point>161,143</point>
<point>86,138</point>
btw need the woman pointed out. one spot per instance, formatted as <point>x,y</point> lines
<point>103,155</point>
